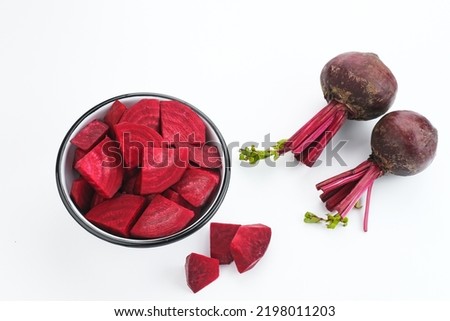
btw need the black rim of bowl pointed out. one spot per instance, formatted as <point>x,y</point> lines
<point>223,187</point>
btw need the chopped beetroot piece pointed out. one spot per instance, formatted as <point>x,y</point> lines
<point>215,175</point>
<point>149,198</point>
<point>200,271</point>
<point>197,185</point>
<point>161,218</point>
<point>129,172</point>
<point>118,214</point>
<point>220,236</point>
<point>114,113</point>
<point>174,196</point>
<point>179,123</point>
<point>96,199</point>
<point>81,193</point>
<point>101,168</point>
<point>137,183</point>
<point>79,154</point>
<point>90,135</point>
<point>206,156</point>
<point>133,138</point>
<point>145,112</point>
<point>129,183</point>
<point>249,245</point>
<point>161,168</point>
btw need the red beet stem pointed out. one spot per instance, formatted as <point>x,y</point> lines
<point>314,152</point>
<point>333,198</point>
<point>360,168</point>
<point>366,211</point>
<point>372,173</point>
<point>332,186</point>
<point>309,141</point>
<point>310,124</point>
<point>341,192</point>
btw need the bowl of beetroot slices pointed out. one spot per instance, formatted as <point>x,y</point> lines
<point>143,170</point>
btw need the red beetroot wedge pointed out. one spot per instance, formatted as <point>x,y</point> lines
<point>200,271</point>
<point>96,199</point>
<point>129,184</point>
<point>114,114</point>
<point>102,172</point>
<point>249,245</point>
<point>133,138</point>
<point>161,168</point>
<point>90,135</point>
<point>81,193</point>
<point>220,236</point>
<point>197,185</point>
<point>145,112</point>
<point>118,214</point>
<point>206,156</point>
<point>179,123</point>
<point>162,217</point>
<point>174,196</point>
<point>79,154</point>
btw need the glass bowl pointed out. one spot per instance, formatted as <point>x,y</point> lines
<point>65,174</point>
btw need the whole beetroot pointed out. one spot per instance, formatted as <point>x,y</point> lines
<point>357,86</point>
<point>403,143</point>
<point>361,82</point>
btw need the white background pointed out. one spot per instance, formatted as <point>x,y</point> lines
<point>253,67</point>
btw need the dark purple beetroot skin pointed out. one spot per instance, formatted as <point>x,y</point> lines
<point>403,143</point>
<point>362,82</point>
